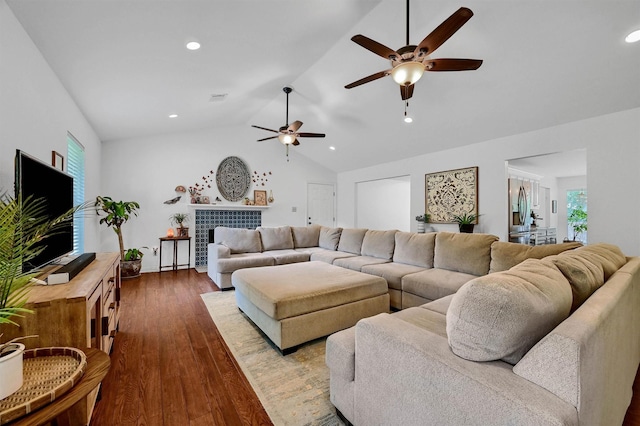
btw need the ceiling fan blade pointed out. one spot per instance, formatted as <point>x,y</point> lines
<point>443,32</point>
<point>406,91</point>
<point>445,64</point>
<point>375,47</point>
<point>368,79</point>
<point>264,128</point>
<point>295,126</point>
<point>266,139</point>
<point>310,135</point>
<point>295,143</point>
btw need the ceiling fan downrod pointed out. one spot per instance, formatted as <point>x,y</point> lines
<point>287,90</point>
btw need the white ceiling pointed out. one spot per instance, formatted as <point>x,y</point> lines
<point>545,63</point>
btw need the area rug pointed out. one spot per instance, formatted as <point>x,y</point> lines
<point>293,389</point>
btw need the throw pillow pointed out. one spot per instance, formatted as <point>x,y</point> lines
<point>379,244</point>
<point>502,315</point>
<point>584,275</point>
<point>468,253</point>
<point>415,249</point>
<point>608,255</point>
<point>238,240</point>
<point>278,238</point>
<point>351,240</point>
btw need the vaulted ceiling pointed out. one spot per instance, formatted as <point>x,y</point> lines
<point>545,63</point>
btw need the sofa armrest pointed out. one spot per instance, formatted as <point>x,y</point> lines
<point>405,374</point>
<point>217,251</point>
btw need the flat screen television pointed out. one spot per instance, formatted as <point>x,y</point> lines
<point>42,181</point>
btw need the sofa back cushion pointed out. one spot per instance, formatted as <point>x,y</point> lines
<point>608,255</point>
<point>415,249</point>
<point>329,238</point>
<point>306,236</point>
<point>277,238</point>
<point>502,315</point>
<point>379,244</point>
<point>468,253</point>
<point>351,240</point>
<point>583,273</point>
<point>239,240</point>
<point>505,255</point>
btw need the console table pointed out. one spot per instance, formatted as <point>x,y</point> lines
<point>82,313</point>
<point>174,265</point>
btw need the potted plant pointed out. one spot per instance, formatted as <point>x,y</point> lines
<point>23,226</point>
<point>578,221</point>
<point>179,219</point>
<point>466,222</point>
<point>423,219</point>
<point>116,214</point>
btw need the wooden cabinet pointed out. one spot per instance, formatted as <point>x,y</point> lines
<point>81,313</point>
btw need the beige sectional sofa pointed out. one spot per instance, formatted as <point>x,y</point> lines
<point>551,341</point>
<point>418,268</point>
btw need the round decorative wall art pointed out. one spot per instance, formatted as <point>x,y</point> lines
<point>233,179</point>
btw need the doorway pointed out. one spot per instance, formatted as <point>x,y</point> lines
<point>384,203</point>
<point>321,204</point>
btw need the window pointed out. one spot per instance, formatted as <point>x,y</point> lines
<point>577,214</point>
<point>75,167</point>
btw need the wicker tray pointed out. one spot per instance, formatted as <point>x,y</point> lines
<point>48,374</point>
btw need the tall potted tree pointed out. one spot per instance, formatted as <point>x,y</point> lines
<point>116,214</point>
<point>23,226</point>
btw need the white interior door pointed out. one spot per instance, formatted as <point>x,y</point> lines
<point>321,204</point>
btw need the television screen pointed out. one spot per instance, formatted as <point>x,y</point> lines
<point>42,181</point>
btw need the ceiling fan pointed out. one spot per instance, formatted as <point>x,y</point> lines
<point>289,134</point>
<point>409,62</point>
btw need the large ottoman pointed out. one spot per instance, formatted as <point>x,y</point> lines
<point>296,303</point>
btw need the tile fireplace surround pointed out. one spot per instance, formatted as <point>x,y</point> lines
<point>209,216</point>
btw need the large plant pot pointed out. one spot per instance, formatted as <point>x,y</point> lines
<point>11,369</point>
<point>466,228</point>
<point>130,268</point>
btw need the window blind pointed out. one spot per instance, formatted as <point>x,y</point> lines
<point>75,167</point>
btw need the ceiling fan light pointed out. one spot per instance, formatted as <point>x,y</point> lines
<point>407,73</point>
<point>286,139</point>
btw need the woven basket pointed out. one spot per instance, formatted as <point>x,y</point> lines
<point>48,374</point>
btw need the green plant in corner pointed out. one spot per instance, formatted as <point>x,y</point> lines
<point>134,253</point>
<point>117,213</point>
<point>578,221</point>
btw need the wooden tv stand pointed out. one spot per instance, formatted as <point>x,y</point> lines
<point>82,313</point>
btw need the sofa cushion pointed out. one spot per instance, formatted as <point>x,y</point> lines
<point>243,260</point>
<point>468,253</point>
<point>283,257</point>
<point>305,236</point>
<point>329,238</point>
<point>351,240</point>
<point>356,263</point>
<point>415,249</point>
<point>379,244</point>
<point>278,238</point>
<point>392,272</point>
<point>502,315</point>
<point>505,255</point>
<point>608,255</point>
<point>584,275</point>
<point>432,284</point>
<point>239,240</point>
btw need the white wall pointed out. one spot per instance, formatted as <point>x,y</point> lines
<point>613,175</point>
<point>384,203</point>
<point>36,112</point>
<point>147,170</point>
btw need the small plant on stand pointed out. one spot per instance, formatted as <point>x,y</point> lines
<point>466,222</point>
<point>179,219</point>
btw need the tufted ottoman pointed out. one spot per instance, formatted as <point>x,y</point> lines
<point>296,303</point>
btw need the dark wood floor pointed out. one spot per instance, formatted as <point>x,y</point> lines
<point>170,366</point>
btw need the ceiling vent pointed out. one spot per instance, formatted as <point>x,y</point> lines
<point>218,97</point>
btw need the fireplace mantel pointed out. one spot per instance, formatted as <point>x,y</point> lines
<point>225,207</point>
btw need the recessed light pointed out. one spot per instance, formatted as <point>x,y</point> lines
<point>332,148</point>
<point>173,115</point>
<point>633,37</point>
<point>193,45</point>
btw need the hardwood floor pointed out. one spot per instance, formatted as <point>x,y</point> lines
<point>170,366</point>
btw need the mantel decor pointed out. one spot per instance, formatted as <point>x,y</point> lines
<point>233,179</point>
<point>451,193</point>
